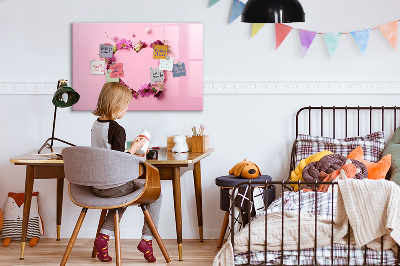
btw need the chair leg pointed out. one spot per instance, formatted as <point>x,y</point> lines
<point>117,239</point>
<point>154,230</point>
<point>223,229</point>
<point>73,237</point>
<point>101,222</point>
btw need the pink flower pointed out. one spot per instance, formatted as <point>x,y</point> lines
<point>146,90</point>
<point>147,30</point>
<point>115,38</point>
<point>158,42</point>
<point>124,44</point>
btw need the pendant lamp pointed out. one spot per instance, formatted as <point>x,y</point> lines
<point>273,11</point>
<point>64,96</point>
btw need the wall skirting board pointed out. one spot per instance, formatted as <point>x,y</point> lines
<point>247,87</point>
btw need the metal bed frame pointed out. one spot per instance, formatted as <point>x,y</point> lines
<point>283,184</point>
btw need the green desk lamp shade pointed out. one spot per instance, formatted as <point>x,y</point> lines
<point>60,100</point>
<point>64,96</point>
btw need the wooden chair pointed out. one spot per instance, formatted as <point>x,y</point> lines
<point>85,167</point>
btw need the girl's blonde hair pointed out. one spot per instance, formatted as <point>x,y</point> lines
<point>113,98</point>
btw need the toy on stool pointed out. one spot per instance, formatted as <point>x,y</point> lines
<point>13,215</point>
<point>245,169</point>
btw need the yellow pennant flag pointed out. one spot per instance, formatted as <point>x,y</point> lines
<point>255,28</point>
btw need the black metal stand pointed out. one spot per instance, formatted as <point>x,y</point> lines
<point>46,143</point>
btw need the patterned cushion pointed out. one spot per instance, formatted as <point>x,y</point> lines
<point>372,144</point>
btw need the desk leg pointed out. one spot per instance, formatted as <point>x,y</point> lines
<point>60,190</point>
<point>176,182</point>
<point>27,206</point>
<point>197,189</point>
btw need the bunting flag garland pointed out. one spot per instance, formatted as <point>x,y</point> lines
<point>389,30</point>
<point>213,2</point>
<point>332,41</point>
<point>361,37</point>
<point>306,39</point>
<point>237,8</point>
<point>281,31</point>
<point>256,27</point>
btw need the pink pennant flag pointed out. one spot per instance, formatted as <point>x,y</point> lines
<point>281,31</point>
<point>306,39</point>
<point>389,30</point>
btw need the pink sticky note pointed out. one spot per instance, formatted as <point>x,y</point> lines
<point>117,70</point>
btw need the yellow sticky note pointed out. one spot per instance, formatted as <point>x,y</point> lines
<point>160,51</point>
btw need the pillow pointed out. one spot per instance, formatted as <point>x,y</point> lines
<point>393,148</point>
<point>375,170</point>
<point>372,144</point>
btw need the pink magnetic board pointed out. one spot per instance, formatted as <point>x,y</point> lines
<point>179,93</point>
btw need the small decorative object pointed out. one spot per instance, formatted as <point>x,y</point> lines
<point>171,143</point>
<point>12,225</point>
<point>199,140</point>
<point>152,155</point>
<point>144,134</point>
<point>245,169</point>
<point>65,96</point>
<point>180,144</point>
<point>148,30</point>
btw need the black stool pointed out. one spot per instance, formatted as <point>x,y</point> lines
<point>226,183</point>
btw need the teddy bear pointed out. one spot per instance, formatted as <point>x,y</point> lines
<point>13,215</point>
<point>180,144</point>
<point>245,169</point>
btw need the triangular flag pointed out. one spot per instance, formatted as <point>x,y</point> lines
<point>332,41</point>
<point>306,39</point>
<point>237,9</point>
<point>213,2</point>
<point>281,31</point>
<point>389,30</point>
<point>361,37</point>
<point>255,28</point>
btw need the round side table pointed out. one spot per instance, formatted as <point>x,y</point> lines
<point>228,182</point>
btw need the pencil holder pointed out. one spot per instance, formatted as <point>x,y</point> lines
<point>200,143</point>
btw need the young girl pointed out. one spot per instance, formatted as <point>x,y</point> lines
<point>112,104</point>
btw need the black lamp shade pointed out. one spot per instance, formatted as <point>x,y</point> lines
<point>73,96</point>
<point>273,11</point>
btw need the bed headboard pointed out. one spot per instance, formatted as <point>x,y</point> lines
<point>344,121</point>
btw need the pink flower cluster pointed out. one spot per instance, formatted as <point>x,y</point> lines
<point>124,44</point>
<point>152,88</point>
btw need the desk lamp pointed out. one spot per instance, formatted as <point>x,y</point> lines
<point>63,97</point>
<point>273,11</point>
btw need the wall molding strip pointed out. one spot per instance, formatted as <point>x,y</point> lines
<point>246,87</point>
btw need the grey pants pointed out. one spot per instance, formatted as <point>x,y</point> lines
<point>154,208</point>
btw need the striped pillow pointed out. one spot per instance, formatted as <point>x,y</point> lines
<point>372,145</point>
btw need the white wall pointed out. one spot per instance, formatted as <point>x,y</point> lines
<point>36,47</point>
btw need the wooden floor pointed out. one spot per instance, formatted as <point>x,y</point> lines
<point>50,252</point>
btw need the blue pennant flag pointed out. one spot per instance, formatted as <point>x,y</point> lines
<point>332,41</point>
<point>361,38</point>
<point>237,9</point>
<point>213,2</point>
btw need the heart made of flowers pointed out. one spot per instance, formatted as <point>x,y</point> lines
<point>147,89</point>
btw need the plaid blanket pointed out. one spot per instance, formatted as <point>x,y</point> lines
<point>323,205</point>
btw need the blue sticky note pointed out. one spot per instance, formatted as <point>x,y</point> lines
<point>106,50</point>
<point>179,70</point>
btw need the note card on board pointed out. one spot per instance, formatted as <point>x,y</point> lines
<point>160,51</point>
<point>179,70</point>
<point>97,67</point>
<point>156,75</point>
<point>106,50</point>
<point>166,64</point>
<point>117,70</point>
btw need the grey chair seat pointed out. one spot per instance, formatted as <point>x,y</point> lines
<point>83,196</point>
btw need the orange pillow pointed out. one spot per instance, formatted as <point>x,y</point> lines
<point>375,170</point>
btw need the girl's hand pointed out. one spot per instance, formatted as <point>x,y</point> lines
<point>142,155</point>
<point>137,144</point>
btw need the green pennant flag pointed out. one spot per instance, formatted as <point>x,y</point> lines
<point>213,2</point>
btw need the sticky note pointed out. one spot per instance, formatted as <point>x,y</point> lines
<point>166,64</point>
<point>117,70</point>
<point>97,67</point>
<point>109,79</point>
<point>106,50</point>
<point>160,51</point>
<point>156,75</point>
<point>179,70</point>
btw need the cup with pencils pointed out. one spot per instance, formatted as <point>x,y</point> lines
<point>199,140</point>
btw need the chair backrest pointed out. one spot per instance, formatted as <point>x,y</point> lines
<point>91,166</point>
